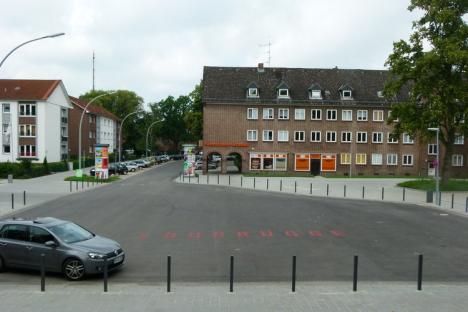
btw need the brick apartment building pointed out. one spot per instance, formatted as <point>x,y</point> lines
<point>99,126</point>
<point>34,118</point>
<point>323,121</point>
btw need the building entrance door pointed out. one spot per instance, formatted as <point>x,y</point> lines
<point>315,166</point>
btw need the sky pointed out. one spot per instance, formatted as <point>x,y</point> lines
<point>158,48</point>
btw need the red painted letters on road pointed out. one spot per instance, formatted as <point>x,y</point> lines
<point>266,233</point>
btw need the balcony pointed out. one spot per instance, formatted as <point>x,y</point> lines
<point>64,139</point>
<point>64,120</point>
<point>27,154</point>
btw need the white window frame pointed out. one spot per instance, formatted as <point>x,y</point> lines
<point>252,111</point>
<point>4,106</point>
<point>332,112</point>
<point>405,159</point>
<point>393,157</point>
<point>280,136</point>
<point>359,137</point>
<point>267,110</point>
<point>24,128</point>
<point>431,149</point>
<point>407,139</point>
<point>283,96</point>
<point>459,139</point>
<point>389,139</point>
<point>315,94</point>
<point>332,135</point>
<point>313,134</point>
<point>457,160</point>
<point>376,159</point>
<point>362,115</point>
<point>345,158</point>
<point>298,133</point>
<point>272,135</point>
<point>378,115</point>
<point>345,112</point>
<point>28,149</point>
<point>299,110</point>
<point>346,95</point>
<point>252,93</point>
<point>361,163</point>
<point>317,111</point>
<point>345,134</point>
<point>28,106</point>
<point>254,133</point>
<point>281,115</point>
<point>379,134</point>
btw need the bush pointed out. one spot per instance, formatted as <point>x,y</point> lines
<point>26,169</point>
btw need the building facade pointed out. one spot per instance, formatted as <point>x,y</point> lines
<point>322,121</point>
<point>34,120</point>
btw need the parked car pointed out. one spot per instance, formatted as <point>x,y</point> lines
<point>117,169</point>
<point>68,247</point>
<point>140,163</point>
<point>131,166</point>
<point>212,165</point>
<point>198,165</point>
<point>165,158</point>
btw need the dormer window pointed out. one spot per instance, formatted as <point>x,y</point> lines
<point>347,94</point>
<point>252,93</point>
<point>315,94</point>
<point>283,93</point>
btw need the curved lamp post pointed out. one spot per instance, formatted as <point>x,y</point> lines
<point>120,131</point>
<point>29,41</point>
<point>437,130</point>
<point>147,133</point>
<point>81,121</point>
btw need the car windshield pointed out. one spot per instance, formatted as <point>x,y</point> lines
<point>71,233</point>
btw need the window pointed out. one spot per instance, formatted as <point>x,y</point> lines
<point>346,95</point>
<point>316,114</point>
<point>331,136</point>
<point>283,113</point>
<point>252,113</point>
<point>431,149</point>
<point>390,114</point>
<point>408,160</point>
<point>267,135</point>
<point>392,159</point>
<point>331,114</point>
<point>380,94</point>
<point>27,109</point>
<point>346,137</point>
<point>252,135</point>
<point>391,139</point>
<point>377,115</point>
<point>407,139</point>
<point>283,93</point>
<point>16,232</point>
<point>6,149</point>
<point>315,94</point>
<point>457,160</point>
<point>299,136</point>
<point>315,136</point>
<point>361,115</point>
<point>268,113</point>
<point>27,150</point>
<point>90,134</point>
<point>39,236</point>
<point>283,136</point>
<point>361,159</point>
<point>347,115</point>
<point>299,114</point>
<point>345,158</point>
<point>361,137</point>
<point>90,149</point>
<point>6,107</point>
<point>376,159</point>
<point>459,139</point>
<point>27,130</point>
<point>252,93</point>
<point>377,137</point>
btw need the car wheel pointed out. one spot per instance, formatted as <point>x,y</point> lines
<point>73,269</point>
<point>2,264</point>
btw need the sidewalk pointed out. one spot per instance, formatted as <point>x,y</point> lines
<point>369,189</point>
<point>309,296</point>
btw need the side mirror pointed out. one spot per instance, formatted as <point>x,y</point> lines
<point>51,244</point>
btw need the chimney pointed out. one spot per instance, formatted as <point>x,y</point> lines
<point>260,68</point>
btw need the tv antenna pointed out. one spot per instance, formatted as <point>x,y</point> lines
<point>267,45</point>
<point>94,58</point>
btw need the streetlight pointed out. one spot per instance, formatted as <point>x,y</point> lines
<point>147,133</point>
<point>120,132</point>
<point>81,121</point>
<point>29,41</point>
<point>437,130</point>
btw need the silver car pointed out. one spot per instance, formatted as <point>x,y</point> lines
<point>66,246</point>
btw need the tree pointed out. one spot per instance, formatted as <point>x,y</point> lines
<point>194,117</point>
<point>435,76</point>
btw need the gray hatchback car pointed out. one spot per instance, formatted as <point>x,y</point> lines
<point>67,247</point>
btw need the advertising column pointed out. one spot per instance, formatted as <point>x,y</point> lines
<point>189,159</point>
<point>101,162</point>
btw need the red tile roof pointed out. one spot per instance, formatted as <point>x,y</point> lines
<point>27,90</point>
<point>95,109</point>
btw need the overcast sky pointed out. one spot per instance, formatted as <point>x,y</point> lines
<point>159,48</point>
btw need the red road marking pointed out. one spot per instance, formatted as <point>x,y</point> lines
<point>142,236</point>
<point>291,233</point>
<point>218,234</point>
<point>315,233</point>
<point>337,233</point>
<point>267,233</point>
<point>194,235</point>
<point>170,235</point>
<point>242,234</point>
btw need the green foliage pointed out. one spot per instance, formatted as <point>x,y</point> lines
<point>429,185</point>
<point>432,68</point>
<point>87,178</point>
<point>45,166</point>
<point>26,169</point>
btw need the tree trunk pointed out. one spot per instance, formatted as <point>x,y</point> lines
<point>446,162</point>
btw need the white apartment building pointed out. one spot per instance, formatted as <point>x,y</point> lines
<point>34,119</point>
<point>106,129</point>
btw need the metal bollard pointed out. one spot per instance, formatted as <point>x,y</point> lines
<point>76,185</point>
<point>106,273</point>
<point>24,198</point>
<point>363,191</point>
<point>344,190</point>
<point>42,272</point>
<point>70,186</point>
<point>180,176</point>
<point>281,185</point>
<point>12,201</point>
<point>218,178</point>
<point>466,205</point>
<point>242,180</point>
<point>420,268</point>
<point>404,194</point>
<point>295,186</point>
<point>383,193</point>
<point>168,273</point>
<point>355,273</point>
<point>198,179</point>
<point>293,285</point>
<point>328,189</point>
<point>254,182</point>
<point>310,191</point>
<point>453,198</point>
<point>229,179</point>
<point>268,183</point>
<point>207,178</point>
<point>231,275</point>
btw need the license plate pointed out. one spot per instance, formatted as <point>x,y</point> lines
<point>118,259</point>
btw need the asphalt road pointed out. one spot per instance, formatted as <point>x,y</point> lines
<point>201,226</point>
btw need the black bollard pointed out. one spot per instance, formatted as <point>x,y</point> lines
<point>231,275</point>
<point>254,182</point>
<point>82,183</point>
<point>24,198</point>
<point>70,186</point>
<point>268,183</point>
<point>420,270</point>
<point>76,185</point>
<point>281,185</point>
<point>229,177</point>
<point>295,186</point>
<point>42,272</point>
<point>310,189</point>
<point>218,178</point>
<point>207,178</point>
<point>12,201</point>
<point>363,191</point>
<point>241,181</point>
<point>355,273</point>
<point>383,190</point>
<point>453,198</point>
<point>168,273</point>
<point>344,190</point>
<point>328,189</point>
<point>404,194</point>
<point>293,285</point>
<point>106,273</point>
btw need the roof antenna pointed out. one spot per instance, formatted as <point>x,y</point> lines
<point>93,68</point>
<point>268,51</point>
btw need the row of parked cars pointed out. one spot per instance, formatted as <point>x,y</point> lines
<point>133,165</point>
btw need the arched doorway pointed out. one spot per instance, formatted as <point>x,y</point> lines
<point>234,163</point>
<point>214,162</point>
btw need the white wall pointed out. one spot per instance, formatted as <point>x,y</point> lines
<point>107,132</point>
<point>13,134</point>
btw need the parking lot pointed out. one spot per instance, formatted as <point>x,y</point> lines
<point>201,226</point>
